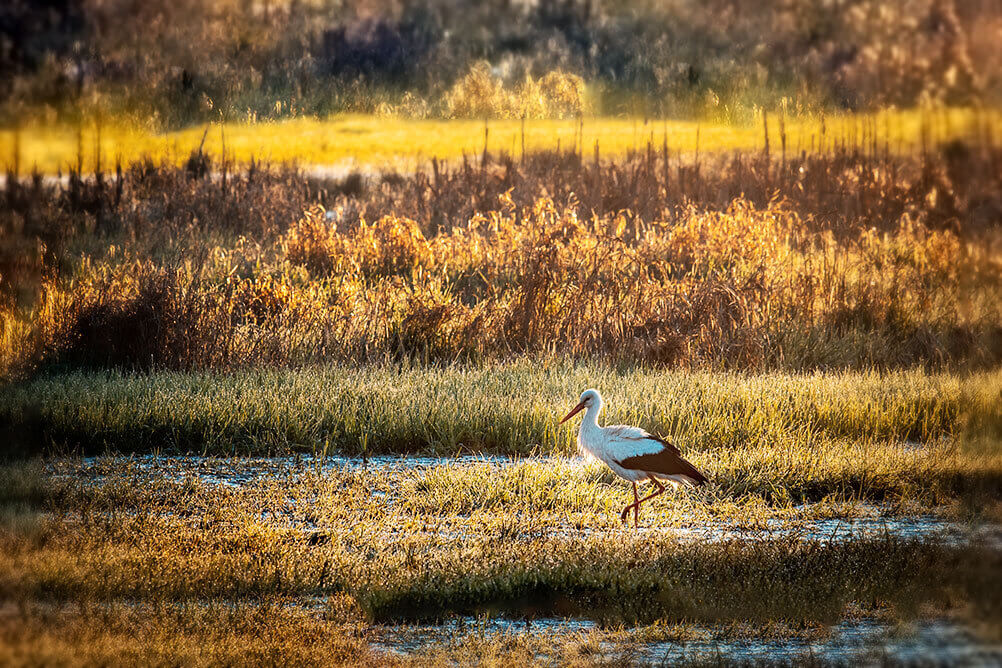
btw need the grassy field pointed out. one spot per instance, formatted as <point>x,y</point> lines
<point>368,141</point>
<point>502,409</point>
<point>158,561</point>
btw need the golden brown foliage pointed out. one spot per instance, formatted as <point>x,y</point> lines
<point>846,257</point>
<point>743,288</point>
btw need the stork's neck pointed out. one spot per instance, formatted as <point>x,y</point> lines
<point>590,420</point>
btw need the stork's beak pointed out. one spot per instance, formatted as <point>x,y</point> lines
<point>573,412</point>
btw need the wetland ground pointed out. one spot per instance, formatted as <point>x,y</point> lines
<point>849,518</point>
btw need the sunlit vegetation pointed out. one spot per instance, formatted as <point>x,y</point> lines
<point>394,141</point>
<point>817,331</point>
<point>507,409</point>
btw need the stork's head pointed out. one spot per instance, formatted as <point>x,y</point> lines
<point>589,398</point>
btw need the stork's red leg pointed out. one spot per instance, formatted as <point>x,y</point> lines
<point>636,507</point>
<point>661,489</point>
<point>626,510</point>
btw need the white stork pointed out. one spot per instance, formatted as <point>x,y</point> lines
<point>631,453</point>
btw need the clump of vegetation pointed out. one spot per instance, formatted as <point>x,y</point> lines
<point>480,95</point>
<point>193,634</point>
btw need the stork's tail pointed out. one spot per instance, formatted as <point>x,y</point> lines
<point>693,476</point>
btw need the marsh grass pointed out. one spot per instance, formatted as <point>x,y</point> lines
<point>218,633</point>
<point>150,560</point>
<point>806,304</point>
<point>743,288</point>
<point>280,631</point>
<point>510,408</point>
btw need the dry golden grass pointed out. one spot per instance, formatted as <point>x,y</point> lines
<point>850,258</point>
<point>479,95</point>
<point>381,141</point>
<point>744,288</point>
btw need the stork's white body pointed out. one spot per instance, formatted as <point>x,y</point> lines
<point>632,453</point>
<point>619,442</point>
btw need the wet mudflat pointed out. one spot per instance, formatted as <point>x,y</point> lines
<point>808,522</point>
<point>431,560</point>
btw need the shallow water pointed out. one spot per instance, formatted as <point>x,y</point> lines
<point>860,642</point>
<point>239,471</point>
<point>874,521</point>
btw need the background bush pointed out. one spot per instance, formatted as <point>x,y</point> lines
<point>175,63</point>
